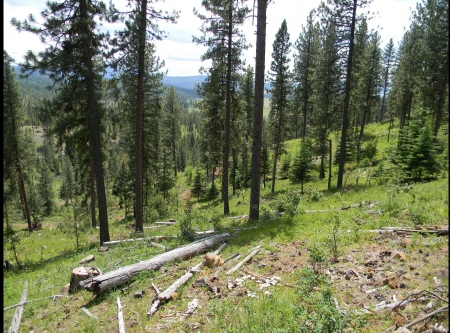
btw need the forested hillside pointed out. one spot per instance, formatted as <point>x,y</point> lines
<point>353,140</point>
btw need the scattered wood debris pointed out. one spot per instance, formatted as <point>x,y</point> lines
<point>117,277</point>
<point>246,259</point>
<point>167,294</point>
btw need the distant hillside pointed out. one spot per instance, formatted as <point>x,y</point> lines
<point>187,82</point>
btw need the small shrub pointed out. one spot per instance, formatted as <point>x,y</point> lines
<point>187,232</point>
<point>314,195</point>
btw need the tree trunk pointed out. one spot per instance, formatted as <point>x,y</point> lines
<point>346,100</point>
<point>330,164</point>
<point>92,178</point>
<point>226,149</point>
<point>119,276</point>
<point>139,118</point>
<point>441,100</point>
<point>258,110</point>
<point>23,194</point>
<point>94,119</point>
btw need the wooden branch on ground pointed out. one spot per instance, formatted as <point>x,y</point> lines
<point>156,289</point>
<point>157,245</point>
<point>35,300</point>
<point>371,205</point>
<point>155,226</point>
<point>438,232</point>
<point>89,313</point>
<point>246,259</point>
<point>15,324</point>
<point>117,277</point>
<point>418,320</point>
<point>167,294</point>
<point>165,223</point>
<point>120,316</point>
<point>138,239</point>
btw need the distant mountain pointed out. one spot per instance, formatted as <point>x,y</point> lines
<point>187,82</point>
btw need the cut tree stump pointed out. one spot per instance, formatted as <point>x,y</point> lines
<point>167,294</point>
<point>15,324</point>
<point>99,284</point>
<point>80,274</point>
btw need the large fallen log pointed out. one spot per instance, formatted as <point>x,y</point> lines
<point>15,324</point>
<point>100,283</point>
<point>165,223</point>
<point>167,294</point>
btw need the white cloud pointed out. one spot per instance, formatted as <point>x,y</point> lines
<point>182,57</point>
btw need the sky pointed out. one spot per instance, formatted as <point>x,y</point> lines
<point>182,56</point>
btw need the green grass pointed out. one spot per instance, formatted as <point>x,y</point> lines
<point>50,255</point>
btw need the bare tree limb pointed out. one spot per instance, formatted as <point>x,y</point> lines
<point>15,324</point>
<point>246,259</point>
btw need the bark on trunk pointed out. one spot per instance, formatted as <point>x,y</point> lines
<point>258,110</point>
<point>93,214</point>
<point>119,276</point>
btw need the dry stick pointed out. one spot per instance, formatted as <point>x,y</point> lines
<point>247,258</point>
<point>418,320</point>
<point>126,255</point>
<point>136,239</point>
<point>35,300</point>
<point>265,278</point>
<point>165,223</point>
<point>120,316</point>
<point>90,314</point>
<point>158,245</point>
<point>166,294</point>
<point>15,324</point>
<point>232,257</point>
<point>156,289</point>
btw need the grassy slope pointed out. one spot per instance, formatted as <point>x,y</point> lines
<point>50,255</point>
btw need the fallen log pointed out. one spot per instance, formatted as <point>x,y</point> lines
<point>15,324</point>
<point>167,294</point>
<point>100,283</point>
<point>247,258</point>
<point>120,316</point>
<point>155,226</point>
<point>165,223</point>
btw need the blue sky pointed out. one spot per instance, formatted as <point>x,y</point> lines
<point>182,57</point>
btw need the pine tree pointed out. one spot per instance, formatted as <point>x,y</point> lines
<point>225,44</point>
<point>388,61</point>
<point>134,50</point>
<point>280,79</point>
<point>301,166</point>
<point>171,112</point>
<point>416,153</point>
<point>67,190</point>
<point>343,13</point>
<point>306,48</point>
<point>46,191</point>
<point>197,189</point>
<point>74,43</point>
<point>326,87</point>
<point>13,115</point>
